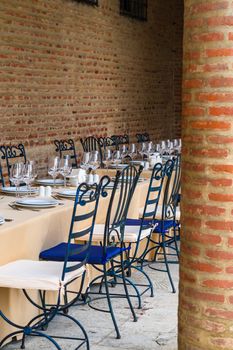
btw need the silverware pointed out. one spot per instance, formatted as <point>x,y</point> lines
<point>8,220</point>
<point>12,206</point>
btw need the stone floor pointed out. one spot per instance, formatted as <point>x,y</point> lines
<point>156,327</point>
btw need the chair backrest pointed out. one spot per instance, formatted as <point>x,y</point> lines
<point>2,182</point>
<point>13,153</point>
<point>171,194</point>
<point>121,196</point>
<point>106,142</point>
<point>82,222</point>
<point>91,143</point>
<point>67,147</point>
<point>120,140</point>
<point>145,137</point>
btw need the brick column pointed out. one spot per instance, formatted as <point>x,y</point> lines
<point>206,286</point>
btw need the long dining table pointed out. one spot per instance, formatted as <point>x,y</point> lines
<point>30,232</point>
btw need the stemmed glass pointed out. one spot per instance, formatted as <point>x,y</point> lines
<point>116,157</point>
<point>16,175</point>
<point>85,161</point>
<point>107,158</point>
<point>142,149</point>
<point>53,167</point>
<point>65,167</point>
<point>94,161</point>
<point>132,151</point>
<point>29,174</point>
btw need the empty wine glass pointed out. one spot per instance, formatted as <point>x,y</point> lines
<point>124,151</point>
<point>94,160</point>
<point>116,157</point>
<point>16,175</point>
<point>132,151</point>
<point>53,167</point>
<point>29,174</point>
<point>85,161</point>
<point>142,149</point>
<point>65,167</point>
<point>107,158</point>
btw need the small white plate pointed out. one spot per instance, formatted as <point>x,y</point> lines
<point>50,182</point>
<point>118,166</point>
<point>36,202</point>
<point>21,190</point>
<point>71,194</point>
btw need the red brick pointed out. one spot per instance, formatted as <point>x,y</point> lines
<point>201,209</point>
<point>225,52</point>
<point>208,6</point>
<point>223,168</point>
<point>219,255</point>
<point>220,139</point>
<point>193,111</point>
<point>193,83</point>
<point>210,125</point>
<point>221,197</point>
<point>220,82</point>
<point>214,97</point>
<point>218,111</point>
<point>204,296</point>
<point>220,21</point>
<point>220,182</point>
<point>208,37</point>
<point>219,313</point>
<point>220,225</point>
<point>211,153</point>
<point>206,239</point>
<point>203,267</point>
<point>218,284</point>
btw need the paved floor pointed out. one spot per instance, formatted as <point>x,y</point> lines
<point>155,329</point>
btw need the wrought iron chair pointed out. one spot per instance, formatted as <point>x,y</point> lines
<point>2,182</point>
<point>13,153</point>
<point>55,275</point>
<point>67,147</point>
<point>120,140</point>
<point>91,143</point>
<point>102,257</point>
<point>106,142</point>
<point>143,137</point>
<point>168,227</point>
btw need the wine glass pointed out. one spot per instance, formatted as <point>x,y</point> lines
<point>107,158</point>
<point>65,167</point>
<point>53,167</point>
<point>85,161</point>
<point>132,151</point>
<point>94,161</point>
<point>29,174</point>
<point>124,151</point>
<point>142,149</point>
<point>16,175</point>
<point>116,157</point>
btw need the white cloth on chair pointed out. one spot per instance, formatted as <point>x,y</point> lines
<point>151,207</point>
<point>39,275</point>
<point>130,235</point>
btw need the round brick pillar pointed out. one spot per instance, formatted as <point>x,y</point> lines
<point>206,270</point>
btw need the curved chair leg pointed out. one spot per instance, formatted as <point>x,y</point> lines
<point>48,338</point>
<point>126,291</point>
<point>167,266</point>
<point>10,336</point>
<point>110,304</point>
<point>136,290</point>
<point>151,287</point>
<point>80,326</point>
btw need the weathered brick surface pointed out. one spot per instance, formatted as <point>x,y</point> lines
<point>68,69</point>
<point>206,287</point>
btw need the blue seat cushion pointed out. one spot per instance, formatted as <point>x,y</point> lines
<point>96,253</point>
<point>161,227</point>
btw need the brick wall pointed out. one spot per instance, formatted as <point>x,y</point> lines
<point>206,288</point>
<point>72,70</point>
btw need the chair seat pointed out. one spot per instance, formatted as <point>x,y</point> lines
<point>130,235</point>
<point>160,227</point>
<point>150,208</point>
<point>96,253</point>
<point>39,275</point>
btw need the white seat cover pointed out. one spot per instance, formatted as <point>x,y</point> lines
<point>130,236</point>
<point>40,275</point>
<point>150,208</point>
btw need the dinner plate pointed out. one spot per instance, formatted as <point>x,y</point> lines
<point>50,182</point>
<point>68,193</point>
<point>21,190</point>
<point>118,166</point>
<point>141,179</point>
<point>2,220</point>
<point>36,202</point>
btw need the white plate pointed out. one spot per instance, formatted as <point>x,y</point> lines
<point>2,220</point>
<point>71,194</point>
<point>50,182</point>
<point>36,202</point>
<point>119,166</point>
<point>22,189</point>
<point>137,162</point>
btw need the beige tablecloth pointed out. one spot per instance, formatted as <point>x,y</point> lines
<point>30,233</point>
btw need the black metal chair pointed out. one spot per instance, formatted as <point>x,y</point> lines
<point>55,276</point>
<point>145,137</point>
<point>120,140</point>
<point>2,182</point>
<point>12,154</point>
<point>67,147</point>
<point>90,144</point>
